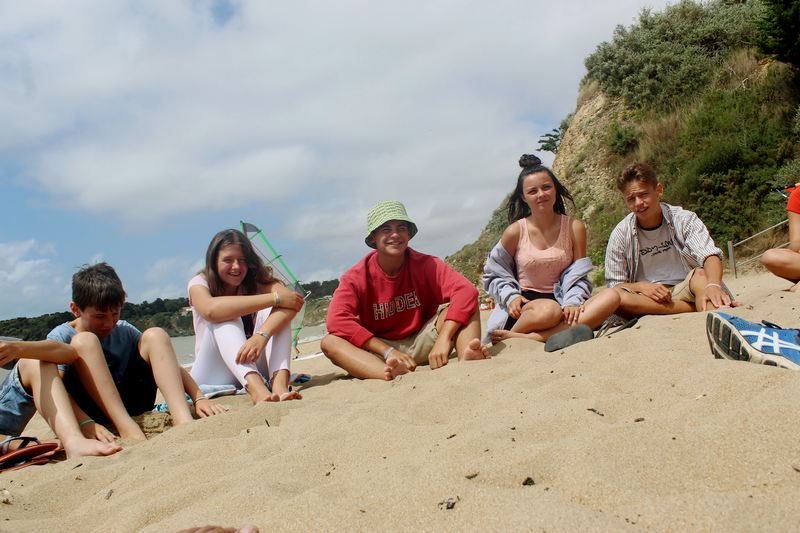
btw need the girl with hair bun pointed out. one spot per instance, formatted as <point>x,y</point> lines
<point>242,321</point>
<point>538,272</point>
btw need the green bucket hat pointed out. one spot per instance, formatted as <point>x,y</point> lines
<point>382,213</point>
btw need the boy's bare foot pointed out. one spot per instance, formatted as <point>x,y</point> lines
<point>394,368</point>
<point>475,350</point>
<point>90,447</point>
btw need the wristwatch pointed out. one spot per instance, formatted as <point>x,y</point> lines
<point>265,335</point>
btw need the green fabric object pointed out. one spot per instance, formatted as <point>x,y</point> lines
<point>382,213</point>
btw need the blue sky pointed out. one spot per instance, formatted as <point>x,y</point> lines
<point>134,131</point>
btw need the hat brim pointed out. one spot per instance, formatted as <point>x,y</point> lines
<point>369,241</point>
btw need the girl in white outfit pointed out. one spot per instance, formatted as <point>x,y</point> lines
<point>242,318</point>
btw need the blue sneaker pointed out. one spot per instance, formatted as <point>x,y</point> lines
<point>731,337</point>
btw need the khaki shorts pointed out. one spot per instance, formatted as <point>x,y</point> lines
<point>420,344</point>
<point>682,291</point>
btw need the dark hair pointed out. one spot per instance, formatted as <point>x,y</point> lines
<point>517,208</point>
<point>257,271</point>
<point>97,286</point>
<point>636,172</point>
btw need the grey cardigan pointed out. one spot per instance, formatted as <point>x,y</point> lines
<point>500,282</point>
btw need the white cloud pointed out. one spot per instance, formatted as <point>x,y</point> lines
<point>166,278</point>
<point>30,282</point>
<point>313,110</point>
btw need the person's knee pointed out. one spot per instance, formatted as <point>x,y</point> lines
<point>775,259</point>
<point>628,301</point>
<point>154,334</point>
<point>327,345</point>
<point>610,297</point>
<point>621,293</point>
<point>27,369</point>
<point>543,310</point>
<point>85,340</point>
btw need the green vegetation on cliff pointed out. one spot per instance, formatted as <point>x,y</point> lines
<point>705,108</point>
<point>695,91</point>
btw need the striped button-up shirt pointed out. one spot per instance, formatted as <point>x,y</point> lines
<point>690,235</point>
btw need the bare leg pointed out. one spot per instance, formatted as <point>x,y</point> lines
<point>539,336</point>
<point>539,320</point>
<point>468,339</point>
<point>96,379</point>
<point>156,349</point>
<point>634,304</point>
<point>53,403</point>
<point>360,363</point>
<point>599,307</point>
<point>538,315</point>
<point>256,388</point>
<point>783,263</point>
<point>274,360</point>
<point>280,387</point>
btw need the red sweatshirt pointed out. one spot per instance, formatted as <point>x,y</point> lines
<point>370,303</point>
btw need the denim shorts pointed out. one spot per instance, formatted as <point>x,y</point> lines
<point>16,405</point>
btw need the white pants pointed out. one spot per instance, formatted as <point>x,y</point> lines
<point>215,360</point>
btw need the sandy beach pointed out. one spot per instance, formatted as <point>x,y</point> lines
<point>642,429</point>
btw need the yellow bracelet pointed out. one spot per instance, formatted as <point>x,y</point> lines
<point>276,298</point>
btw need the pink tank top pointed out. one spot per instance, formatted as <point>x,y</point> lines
<point>538,269</point>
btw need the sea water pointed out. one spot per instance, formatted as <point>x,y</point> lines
<point>184,346</point>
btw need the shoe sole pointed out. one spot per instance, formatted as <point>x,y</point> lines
<point>568,337</point>
<point>727,343</point>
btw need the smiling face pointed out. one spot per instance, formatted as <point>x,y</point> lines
<point>643,200</point>
<point>539,192</point>
<point>391,238</point>
<point>231,267</point>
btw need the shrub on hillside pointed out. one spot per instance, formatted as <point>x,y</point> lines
<point>779,30</point>
<point>730,151</point>
<point>621,138</point>
<point>669,56</point>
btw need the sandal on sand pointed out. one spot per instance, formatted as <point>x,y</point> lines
<point>616,322</point>
<point>26,454</point>
<point>568,337</point>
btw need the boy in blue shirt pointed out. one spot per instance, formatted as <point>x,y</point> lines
<point>119,368</point>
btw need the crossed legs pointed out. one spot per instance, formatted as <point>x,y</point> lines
<point>543,318</point>
<point>363,364</point>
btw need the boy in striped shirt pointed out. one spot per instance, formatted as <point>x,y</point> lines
<point>661,258</point>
